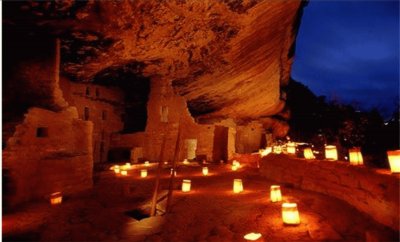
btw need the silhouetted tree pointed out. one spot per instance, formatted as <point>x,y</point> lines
<point>315,120</point>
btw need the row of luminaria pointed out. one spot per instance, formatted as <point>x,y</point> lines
<point>331,154</point>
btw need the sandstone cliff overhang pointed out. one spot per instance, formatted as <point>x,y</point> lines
<point>227,58</point>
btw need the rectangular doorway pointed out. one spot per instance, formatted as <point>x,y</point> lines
<point>191,146</point>
<point>220,148</point>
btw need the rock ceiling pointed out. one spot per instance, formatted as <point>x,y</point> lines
<point>227,58</point>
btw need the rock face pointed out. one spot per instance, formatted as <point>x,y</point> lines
<point>227,58</point>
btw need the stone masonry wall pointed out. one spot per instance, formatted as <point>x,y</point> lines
<point>248,137</point>
<point>49,152</point>
<point>374,192</point>
<point>127,140</point>
<point>105,109</point>
<point>163,101</point>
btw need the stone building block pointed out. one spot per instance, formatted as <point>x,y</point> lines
<point>58,158</point>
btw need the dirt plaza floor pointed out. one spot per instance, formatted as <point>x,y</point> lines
<point>117,208</point>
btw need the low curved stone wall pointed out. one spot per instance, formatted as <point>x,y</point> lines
<point>375,192</point>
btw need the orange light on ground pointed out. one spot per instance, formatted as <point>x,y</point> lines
<point>277,149</point>
<point>290,214</point>
<point>186,185</point>
<point>205,171</point>
<point>237,185</point>
<point>331,152</point>
<point>252,236</point>
<point>308,154</point>
<point>143,173</point>
<point>394,160</point>
<point>355,156</point>
<point>124,172</point>
<point>291,148</point>
<point>55,198</point>
<point>275,193</point>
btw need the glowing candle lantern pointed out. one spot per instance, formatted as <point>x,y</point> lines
<point>355,156</point>
<point>277,149</point>
<point>185,161</point>
<point>117,170</point>
<point>252,236</point>
<point>234,168</point>
<point>186,185</point>
<point>124,172</point>
<point>291,148</point>
<point>143,173</point>
<point>237,186</point>
<point>275,193</point>
<point>394,160</point>
<point>147,163</point>
<point>308,154</point>
<point>331,152</point>
<point>235,163</point>
<point>265,152</point>
<point>172,170</point>
<point>55,198</point>
<point>205,171</point>
<point>290,214</point>
<point>128,165</point>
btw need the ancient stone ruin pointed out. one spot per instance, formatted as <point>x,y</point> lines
<point>97,92</point>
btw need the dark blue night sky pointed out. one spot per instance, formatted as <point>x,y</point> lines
<point>349,51</point>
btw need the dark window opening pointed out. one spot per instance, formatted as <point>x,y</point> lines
<point>86,114</point>
<point>119,154</point>
<point>87,91</point>
<point>104,115</point>
<point>42,132</point>
<point>97,92</point>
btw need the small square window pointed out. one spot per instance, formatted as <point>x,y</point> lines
<point>104,115</point>
<point>42,132</point>
<point>97,92</point>
<point>87,91</point>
